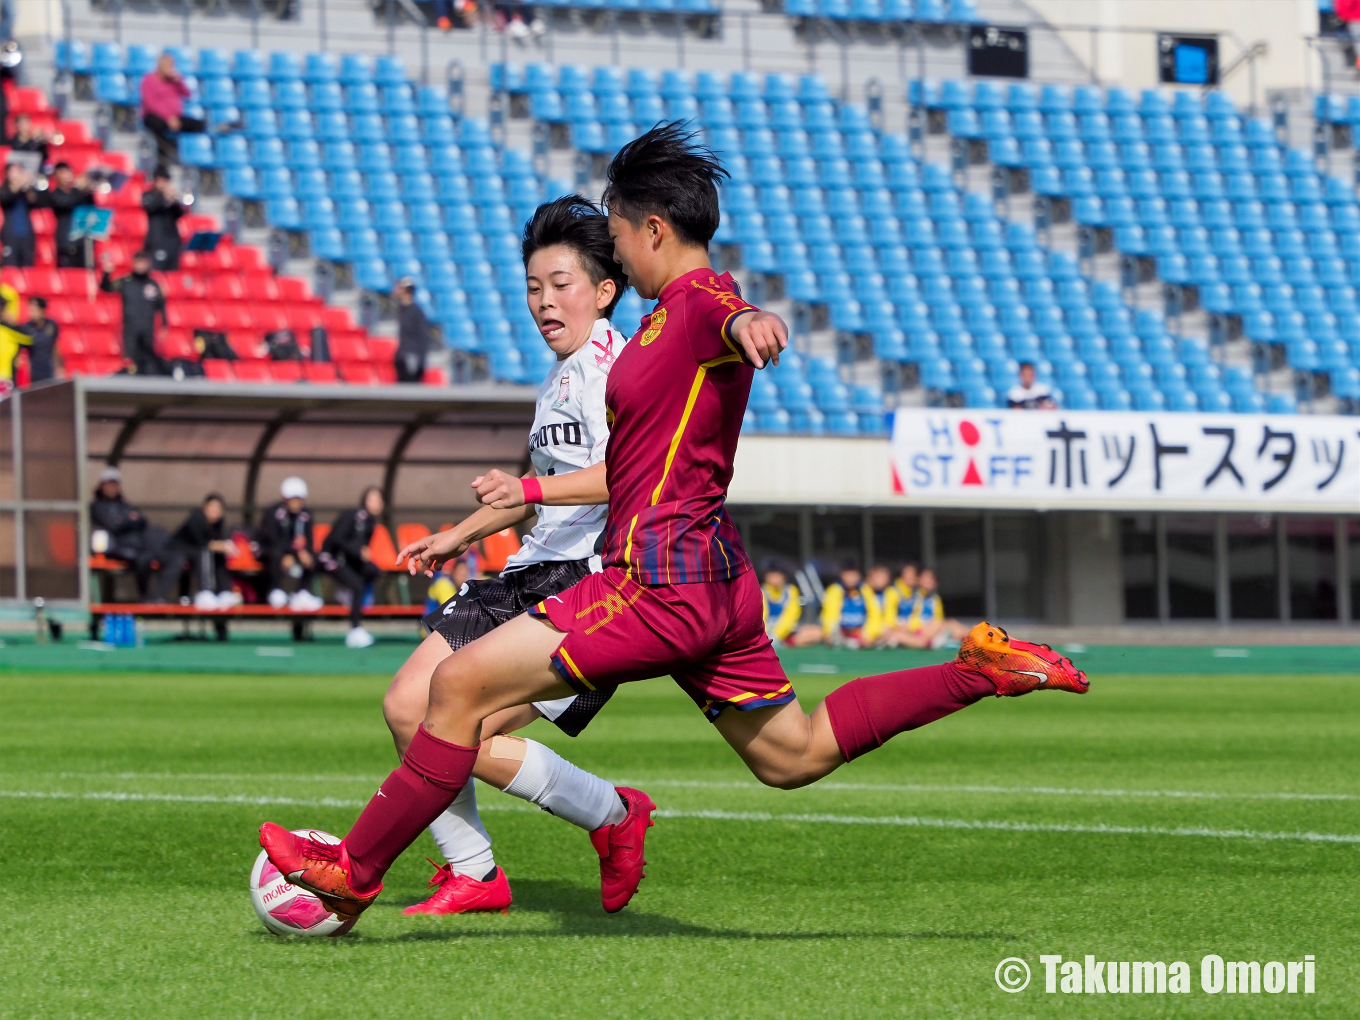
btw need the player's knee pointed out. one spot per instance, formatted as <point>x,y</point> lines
<point>452,687</point>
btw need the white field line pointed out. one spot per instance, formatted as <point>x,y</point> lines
<point>743,784</point>
<point>734,816</point>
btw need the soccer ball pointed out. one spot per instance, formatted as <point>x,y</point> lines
<point>287,909</point>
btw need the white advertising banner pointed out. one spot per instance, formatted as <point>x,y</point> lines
<point>1127,460</point>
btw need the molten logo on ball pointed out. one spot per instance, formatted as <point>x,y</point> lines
<point>286,909</point>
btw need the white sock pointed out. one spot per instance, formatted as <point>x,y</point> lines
<point>462,838</point>
<point>557,786</point>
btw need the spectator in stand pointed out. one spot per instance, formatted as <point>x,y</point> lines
<point>1029,394</point>
<point>12,338</point>
<point>66,193</point>
<point>119,530</point>
<point>413,333</point>
<point>143,301</point>
<point>346,557</point>
<point>287,548</point>
<point>163,96</point>
<point>26,139</point>
<point>42,342</point>
<point>201,545</point>
<point>783,604</point>
<point>17,202</point>
<point>164,206</point>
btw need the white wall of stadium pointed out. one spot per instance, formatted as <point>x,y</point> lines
<point>1055,460</point>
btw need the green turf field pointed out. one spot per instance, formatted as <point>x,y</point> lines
<point>1163,817</point>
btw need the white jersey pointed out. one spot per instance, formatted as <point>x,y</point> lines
<point>570,433</point>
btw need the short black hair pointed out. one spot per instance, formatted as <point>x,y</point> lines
<point>41,302</point>
<point>667,173</point>
<point>63,165</point>
<point>162,173</point>
<point>142,253</point>
<point>214,496</point>
<point>1025,364</point>
<point>579,224</point>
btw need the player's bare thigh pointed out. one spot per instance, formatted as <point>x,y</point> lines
<point>408,697</point>
<point>510,666</point>
<point>781,745</point>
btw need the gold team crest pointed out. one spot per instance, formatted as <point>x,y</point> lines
<point>654,330</point>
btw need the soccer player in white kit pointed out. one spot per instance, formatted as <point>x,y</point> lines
<point>572,285</point>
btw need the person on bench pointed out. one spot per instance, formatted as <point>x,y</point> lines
<point>345,556</point>
<point>121,531</point>
<point>286,549</point>
<point>201,545</point>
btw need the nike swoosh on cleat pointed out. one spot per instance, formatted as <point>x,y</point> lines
<point>1041,677</point>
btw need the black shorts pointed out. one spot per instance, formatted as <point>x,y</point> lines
<point>482,606</point>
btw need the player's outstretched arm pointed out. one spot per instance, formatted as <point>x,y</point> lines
<point>426,554</point>
<point>586,487</point>
<point>761,335</point>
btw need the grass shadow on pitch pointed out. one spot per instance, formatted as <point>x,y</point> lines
<point>578,913</point>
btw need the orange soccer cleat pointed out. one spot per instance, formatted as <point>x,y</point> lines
<point>316,865</point>
<point>463,894</point>
<point>1018,667</point>
<point>620,848</point>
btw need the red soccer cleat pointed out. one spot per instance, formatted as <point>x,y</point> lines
<point>1018,667</point>
<point>321,867</point>
<point>620,849</point>
<point>463,894</point>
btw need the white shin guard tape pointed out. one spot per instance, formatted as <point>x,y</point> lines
<point>556,785</point>
<point>462,838</point>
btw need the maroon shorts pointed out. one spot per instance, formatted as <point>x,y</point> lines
<point>709,636</point>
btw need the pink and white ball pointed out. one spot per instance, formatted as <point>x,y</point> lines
<point>287,909</point>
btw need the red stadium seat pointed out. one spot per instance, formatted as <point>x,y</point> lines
<point>93,313</point>
<point>129,223</point>
<point>253,371</point>
<point>435,377</point>
<point>45,250</point>
<point>269,319</point>
<point>247,344</point>
<point>359,373</point>
<point>224,287</point>
<point>218,370</point>
<point>195,223</point>
<point>261,287</point>
<point>193,314</point>
<point>181,286</point>
<point>334,318</point>
<point>382,349</point>
<point>348,346</point>
<point>319,371</point>
<point>177,344</point>
<point>233,315</point>
<point>382,549</point>
<point>301,319</point>
<point>28,101</point>
<point>295,290</point>
<point>102,341</point>
<point>286,371</point>
<point>80,282</point>
<point>73,132</point>
<point>387,372</point>
<point>43,281</point>
<point>249,260</point>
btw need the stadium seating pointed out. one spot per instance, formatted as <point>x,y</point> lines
<point>1220,208</point>
<point>230,289</point>
<point>380,176</point>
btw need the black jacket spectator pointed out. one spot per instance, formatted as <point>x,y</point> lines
<point>279,534</point>
<point>162,227</point>
<point>191,543</point>
<point>42,361</point>
<point>344,556</point>
<point>143,301</point>
<point>63,201</point>
<point>17,200</point>
<point>131,538</point>
<point>413,334</point>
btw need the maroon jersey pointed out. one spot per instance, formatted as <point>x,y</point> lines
<point>676,397</point>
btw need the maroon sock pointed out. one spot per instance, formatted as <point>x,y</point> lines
<point>430,776</point>
<point>866,713</point>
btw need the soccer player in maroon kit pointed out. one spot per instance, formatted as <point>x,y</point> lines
<point>677,595</point>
